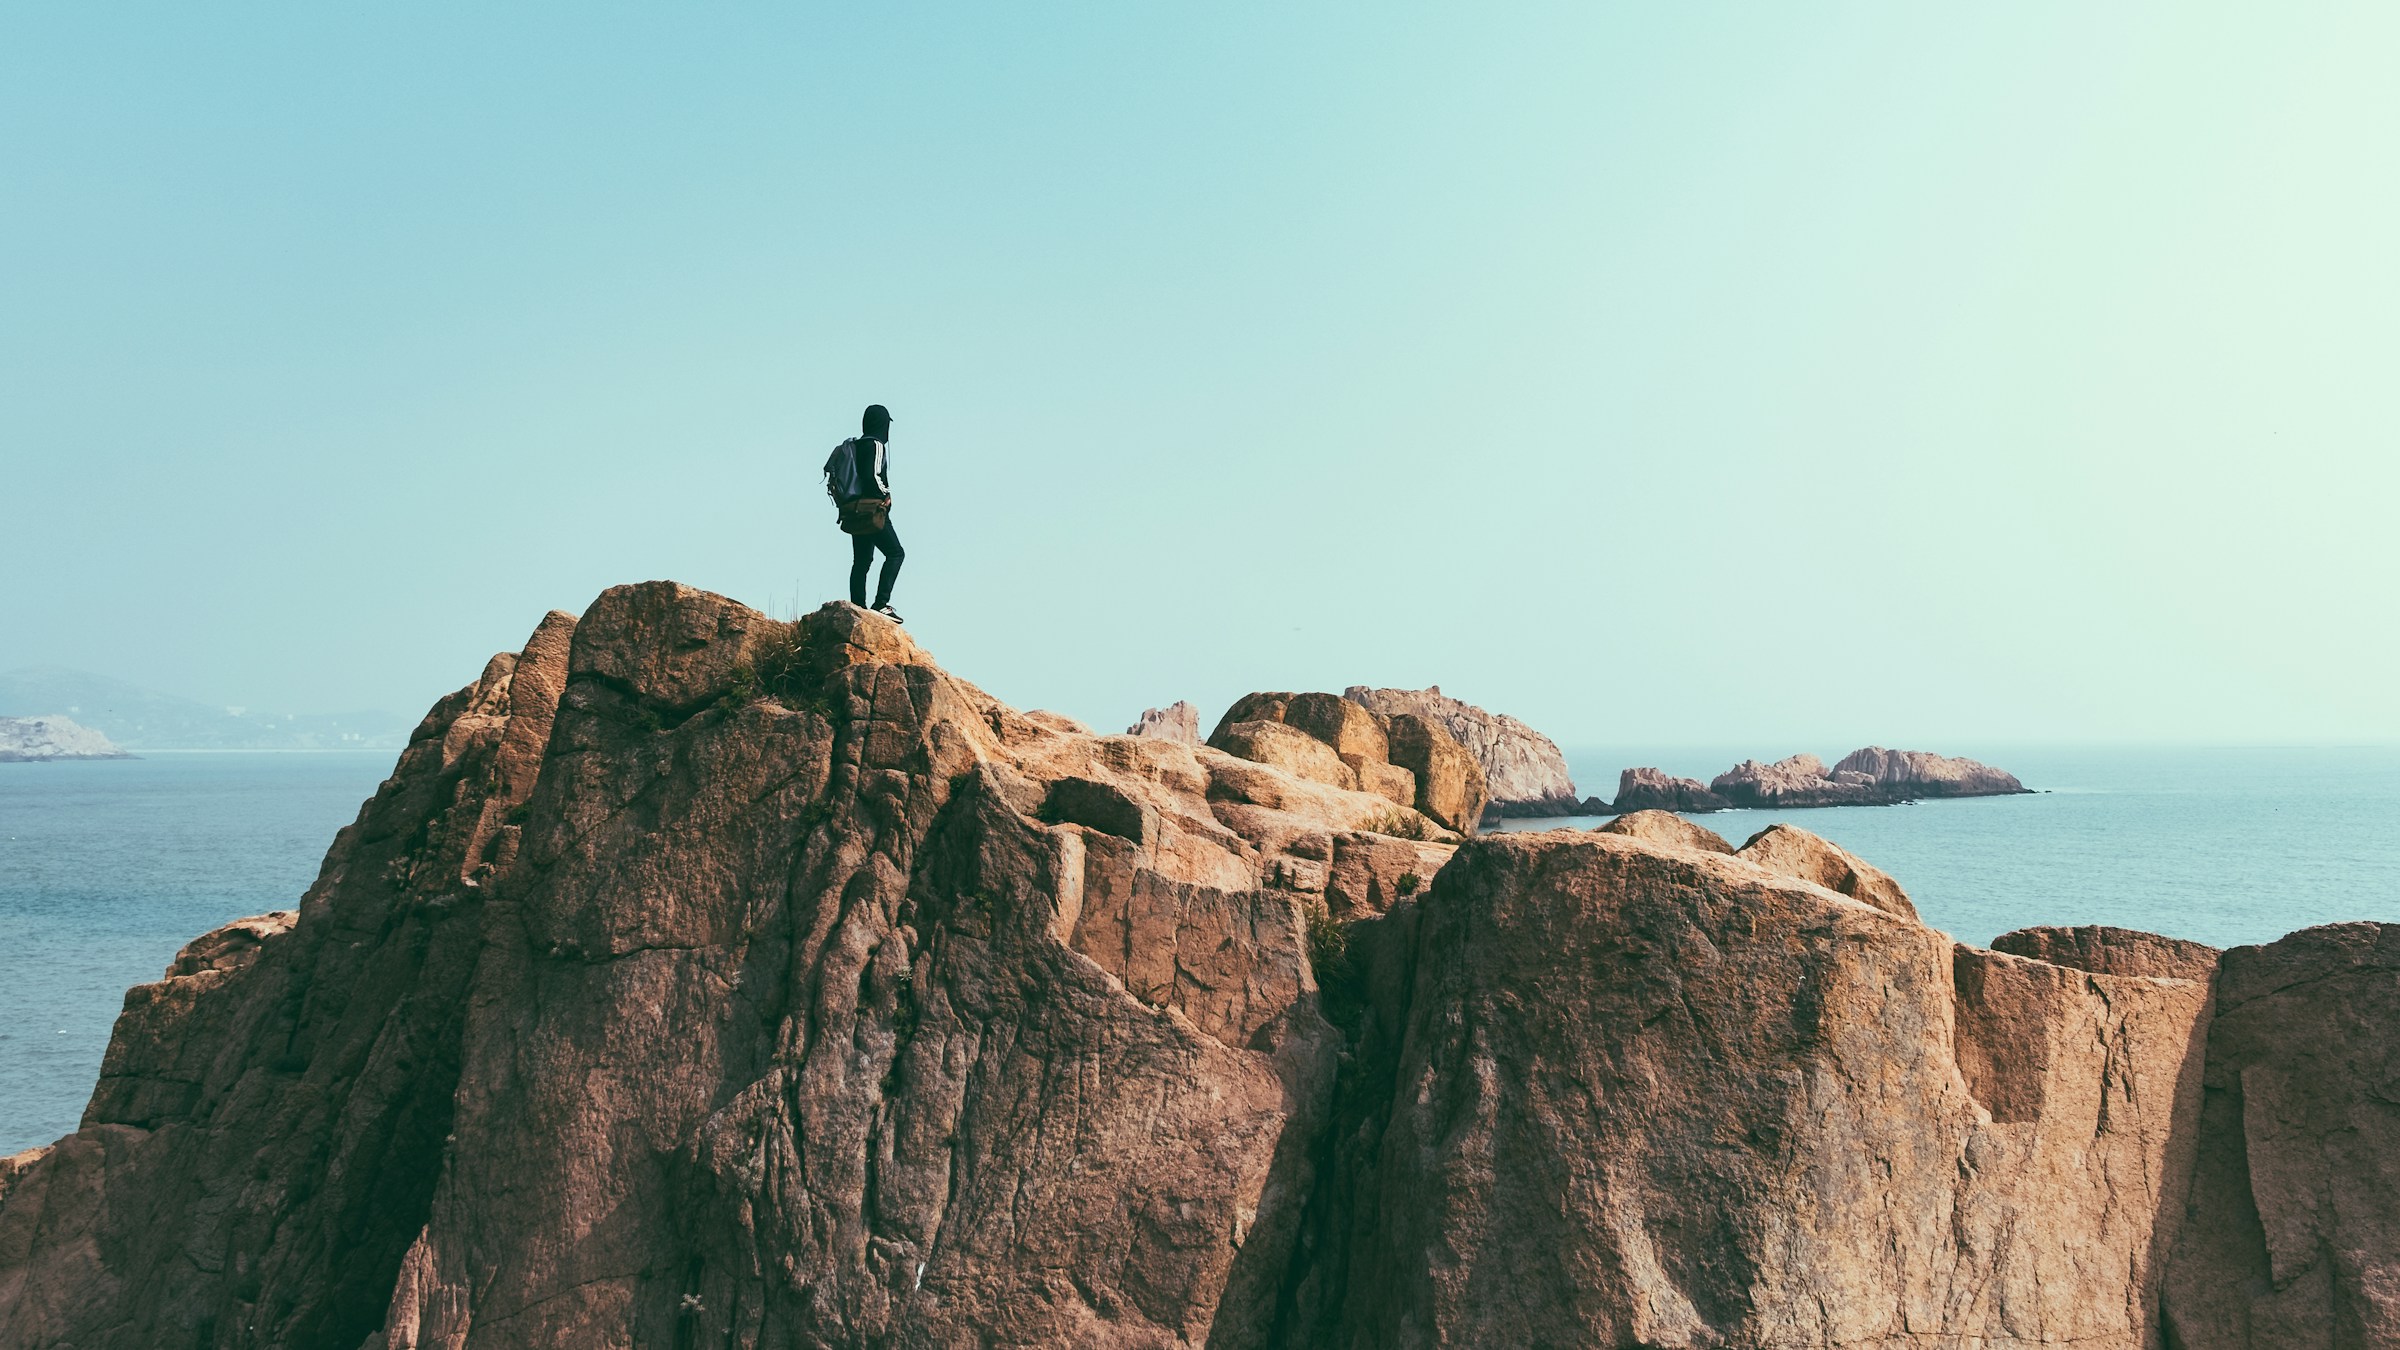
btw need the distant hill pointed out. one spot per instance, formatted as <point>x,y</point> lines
<point>144,719</point>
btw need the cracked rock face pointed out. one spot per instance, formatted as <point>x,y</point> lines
<point>696,975</point>
<point>1643,1095</point>
<point>2293,1234</point>
<point>700,979</point>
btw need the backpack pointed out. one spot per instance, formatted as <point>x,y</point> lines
<point>841,473</point>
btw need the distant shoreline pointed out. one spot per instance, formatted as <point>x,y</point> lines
<point>278,750</point>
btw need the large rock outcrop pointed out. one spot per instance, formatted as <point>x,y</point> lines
<point>1523,770</point>
<point>1641,1095</point>
<point>699,979</point>
<point>783,990</point>
<point>2293,1234</point>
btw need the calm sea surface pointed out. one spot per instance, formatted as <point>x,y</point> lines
<point>107,868</point>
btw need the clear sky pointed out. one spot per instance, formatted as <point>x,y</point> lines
<point>1806,375</point>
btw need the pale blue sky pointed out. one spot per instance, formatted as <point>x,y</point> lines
<point>1805,375</point>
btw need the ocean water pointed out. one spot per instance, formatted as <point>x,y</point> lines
<point>106,869</point>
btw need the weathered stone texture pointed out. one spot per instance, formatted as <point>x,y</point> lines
<point>1450,786</point>
<point>1795,852</point>
<point>1660,1097</point>
<point>703,980</point>
<point>2292,1238</point>
<point>2112,951</point>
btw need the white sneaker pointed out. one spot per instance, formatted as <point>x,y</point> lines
<point>890,613</point>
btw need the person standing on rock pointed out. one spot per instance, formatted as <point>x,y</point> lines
<point>858,478</point>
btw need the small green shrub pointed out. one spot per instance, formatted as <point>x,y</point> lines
<point>743,688</point>
<point>779,668</point>
<point>1407,884</point>
<point>1399,823</point>
<point>1328,942</point>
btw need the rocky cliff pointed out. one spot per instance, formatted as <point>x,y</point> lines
<point>35,739</point>
<point>698,979</point>
<point>1523,769</point>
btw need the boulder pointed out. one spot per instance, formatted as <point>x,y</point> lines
<point>1660,827</point>
<point>1646,1095</point>
<point>1450,783</point>
<point>2112,951</point>
<point>1795,852</point>
<point>1178,721</point>
<point>2292,1233</point>
<point>1353,736</point>
<point>1287,748</point>
<point>1522,768</point>
<point>1263,707</point>
<point>1354,733</point>
<point>1654,790</point>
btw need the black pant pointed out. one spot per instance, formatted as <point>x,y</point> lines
<point>862,556</point>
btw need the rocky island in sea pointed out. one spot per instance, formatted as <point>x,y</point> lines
<point>25,740</point>
<point>702,979</point>
<point>1870,777</point>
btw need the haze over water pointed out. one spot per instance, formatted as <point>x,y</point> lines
<point>106,869</point>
